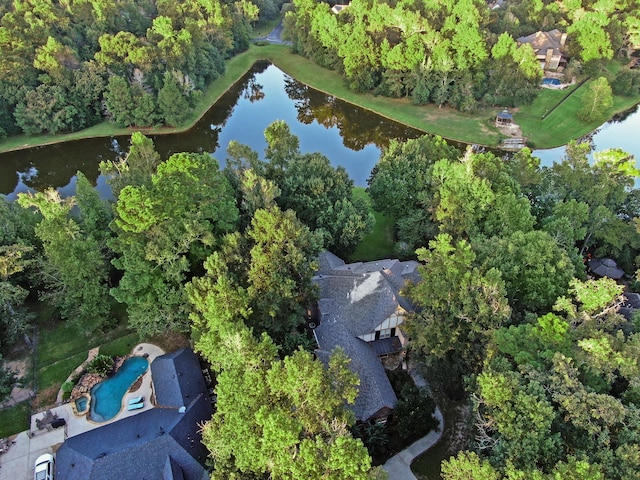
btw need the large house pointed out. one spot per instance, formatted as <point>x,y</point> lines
<point>360,310</point>
<point>549,48</point>
<point>163,443</point>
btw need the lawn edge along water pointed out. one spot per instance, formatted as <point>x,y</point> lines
<point>450,124</point>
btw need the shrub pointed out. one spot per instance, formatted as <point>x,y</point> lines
<point>101,365</point>
<point>67,388</point>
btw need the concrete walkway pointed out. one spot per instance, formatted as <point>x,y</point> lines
<point>399,466</point>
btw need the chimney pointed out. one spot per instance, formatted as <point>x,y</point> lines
<point>563,40</point>
<point>548,57</point>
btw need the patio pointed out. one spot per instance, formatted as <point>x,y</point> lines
<point>17,461</point>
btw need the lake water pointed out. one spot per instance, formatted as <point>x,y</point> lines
<point>621,132</point>
<point>347,135</point>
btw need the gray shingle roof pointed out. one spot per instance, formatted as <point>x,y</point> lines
<point>160,443</point>
<point>375,391</point>
<point>354,299</point>
<point>177,378</point>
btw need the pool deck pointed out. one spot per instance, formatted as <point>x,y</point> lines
<point>18,461</point>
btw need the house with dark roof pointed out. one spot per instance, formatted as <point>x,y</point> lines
<point>360,310</point>
<point>163,443</point>
<point>549,48</point>
<point>339,8</point>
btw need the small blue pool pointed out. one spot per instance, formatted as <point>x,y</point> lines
<point>81,404</point>
<point>551,81</point>
<point>106,396</point>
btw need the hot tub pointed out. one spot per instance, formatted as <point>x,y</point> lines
<point>81,405</point>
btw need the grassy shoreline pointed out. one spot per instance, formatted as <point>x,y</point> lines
<point>555,130</point>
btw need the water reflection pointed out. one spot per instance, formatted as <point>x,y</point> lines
<point>348,135</point>
<point>621,132</point>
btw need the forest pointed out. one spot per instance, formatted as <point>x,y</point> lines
<point>460,53</point>
<point>69,65</point>
<point>507,319</point>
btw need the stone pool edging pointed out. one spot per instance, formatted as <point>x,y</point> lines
<point>78,370</point>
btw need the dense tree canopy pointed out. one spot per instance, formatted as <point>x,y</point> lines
<point>458,52</point>
<point>557,395</point>
<point>64,66</point>
<point>74,266</point>
<point>164,229</point>
<point>320,195</point>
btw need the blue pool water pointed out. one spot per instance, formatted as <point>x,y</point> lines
<point>81,404</point>
<point>106,396</point>
<point>551,81</point>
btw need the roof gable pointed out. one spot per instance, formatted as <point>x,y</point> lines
<point>177,378</point>
<point>542,41</point>
<point>354,299</point>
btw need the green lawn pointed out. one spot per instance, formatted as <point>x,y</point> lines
<point>120,346</point>
<point>379,243</point>
<point>51,377</point>
<point>556,129</point>
<point>14,419</point>
<point>562,124</point>
<point>63,347</point>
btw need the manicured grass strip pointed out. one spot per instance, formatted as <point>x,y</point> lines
<point>54,375</point>
<point>63,341</point>
<point>379,243</point>
<point>14,419</point>
<point>569,93</point>
<point>562,124</point>
<point>446,122</point>
<point>120,346</point>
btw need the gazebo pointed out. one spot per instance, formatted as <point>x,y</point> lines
<point>606,267</point>
<point>504,119</point>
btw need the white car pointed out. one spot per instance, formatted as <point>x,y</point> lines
<point>45,465</point>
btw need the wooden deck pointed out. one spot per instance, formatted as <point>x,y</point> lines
<point>516,143</point>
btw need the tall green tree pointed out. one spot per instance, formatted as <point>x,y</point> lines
<point>74,267</point>
<point>322,198</point>
<point>172,103</point>
<point>458,305</point>
<point>135,168</point>
<point>597,101</point>
<point>462,199</point>
<point>555,398</point>
<point>14,317</point>
<point>534,268</point>
<point>290,413</point>
<point>164,231</point>
<point>401,185</point>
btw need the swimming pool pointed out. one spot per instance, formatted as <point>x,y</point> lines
<point>551,81</point>
<point>106,396</point>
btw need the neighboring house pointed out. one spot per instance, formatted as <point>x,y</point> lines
<point>630,305</point>
<point>338,8</point>
<point>163,443</point>
<point>549,47</point>
<point>361,310</point>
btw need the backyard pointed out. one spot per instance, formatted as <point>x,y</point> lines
<point>61,348</point>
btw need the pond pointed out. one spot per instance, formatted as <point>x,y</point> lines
<point>106,396</point>
<point>348,135</point>
<point>620,132</point>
